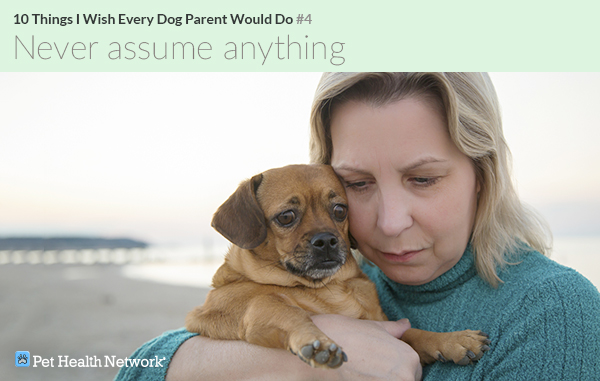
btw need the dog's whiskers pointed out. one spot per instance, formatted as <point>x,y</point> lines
<point>325,285</point>
<point>272,265</point>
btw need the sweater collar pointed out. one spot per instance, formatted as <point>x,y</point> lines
<point>462,271</point>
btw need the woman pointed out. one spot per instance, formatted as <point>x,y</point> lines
<point>445,238</point>
<point>432,206</point>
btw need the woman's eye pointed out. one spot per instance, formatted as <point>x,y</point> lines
<point>340,212</point>
<point>286,218</point>
<point>356,185</point>
<point>424,181</point>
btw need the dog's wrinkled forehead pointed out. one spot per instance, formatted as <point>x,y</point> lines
<point>299,184</point>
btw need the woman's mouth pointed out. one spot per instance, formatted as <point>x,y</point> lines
<point>402,257</point>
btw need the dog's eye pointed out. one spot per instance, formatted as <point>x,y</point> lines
<point>340,212</point>
<point>286,218</point>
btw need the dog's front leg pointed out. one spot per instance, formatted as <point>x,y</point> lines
<point>462,347</point>
<point>272,321</point>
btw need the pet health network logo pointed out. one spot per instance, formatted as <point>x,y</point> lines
<point>22,358</point>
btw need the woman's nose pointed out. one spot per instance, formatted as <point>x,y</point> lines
<point>394,214</point>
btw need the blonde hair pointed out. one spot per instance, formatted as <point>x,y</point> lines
<point>470,105</point>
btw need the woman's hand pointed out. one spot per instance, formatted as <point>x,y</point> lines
<point>373,349</point>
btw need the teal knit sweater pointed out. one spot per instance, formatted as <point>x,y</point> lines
<point>543,320</point>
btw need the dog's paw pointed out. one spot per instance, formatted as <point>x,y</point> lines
<point>319,354</point>
<point>465,347</point>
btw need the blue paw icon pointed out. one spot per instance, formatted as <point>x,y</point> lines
<point>22,358</point>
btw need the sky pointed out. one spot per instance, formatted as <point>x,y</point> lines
<point>152,155</point>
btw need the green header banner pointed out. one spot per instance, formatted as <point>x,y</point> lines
<point>435,35</point>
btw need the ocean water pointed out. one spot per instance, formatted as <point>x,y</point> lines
<point>195,266</point>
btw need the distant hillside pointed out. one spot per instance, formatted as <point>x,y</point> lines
<point>68,243</point>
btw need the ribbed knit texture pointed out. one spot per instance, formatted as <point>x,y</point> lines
<point>544,320</point>
<point>165,346</point>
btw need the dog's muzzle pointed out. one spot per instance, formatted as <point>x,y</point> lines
<point>325,249</point>
<point>324,256</point>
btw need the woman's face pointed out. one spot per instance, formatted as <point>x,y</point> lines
<point>412,194</point>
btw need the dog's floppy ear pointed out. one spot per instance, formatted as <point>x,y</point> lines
<point>240,219</point>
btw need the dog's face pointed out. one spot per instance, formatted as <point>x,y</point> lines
<point>294,217</point>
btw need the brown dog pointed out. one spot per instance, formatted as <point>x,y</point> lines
<point>291,259</point>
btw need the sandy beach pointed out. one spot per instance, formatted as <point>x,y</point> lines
<point>79,311</point>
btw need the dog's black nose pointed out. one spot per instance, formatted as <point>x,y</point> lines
<point>324,241</point>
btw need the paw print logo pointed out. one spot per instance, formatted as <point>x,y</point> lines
<point>22,358</point>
